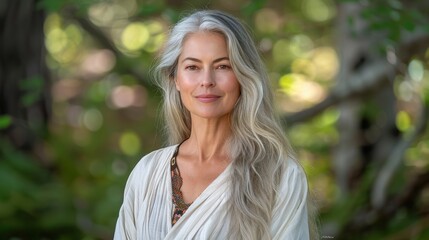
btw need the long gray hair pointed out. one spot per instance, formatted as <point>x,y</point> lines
<point>258,147</point>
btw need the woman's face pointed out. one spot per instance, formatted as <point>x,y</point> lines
<point>207,84</point>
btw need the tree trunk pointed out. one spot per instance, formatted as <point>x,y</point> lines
<point>366,126</point>
<point>352,55</point>
<point>24,77</point>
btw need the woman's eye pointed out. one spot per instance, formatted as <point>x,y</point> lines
<point>224,67</point>
<point>191,67</point>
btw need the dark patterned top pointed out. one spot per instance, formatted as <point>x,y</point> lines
<point>179,204</point>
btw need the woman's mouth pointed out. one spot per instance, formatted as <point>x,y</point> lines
<point>207,98</point>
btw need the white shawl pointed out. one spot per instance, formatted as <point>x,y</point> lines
<point>147,209</point>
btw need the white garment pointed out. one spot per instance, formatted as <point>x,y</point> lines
<point>147,209</point>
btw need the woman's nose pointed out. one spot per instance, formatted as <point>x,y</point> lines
<point>208,79</point>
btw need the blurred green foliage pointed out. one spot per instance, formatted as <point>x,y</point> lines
<point>105,113</point>
<point>32,89</point>
<point>5,121</point>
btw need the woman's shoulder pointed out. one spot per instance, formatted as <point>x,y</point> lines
<point>153,163</point>
<point>152,168</point>
<point>293,166</point>
<point>153,160</point>
<point>159,152</point>
<point>156,157</point>
<point>294,177</point>
<point>290,216</point>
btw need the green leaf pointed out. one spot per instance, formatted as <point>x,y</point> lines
<point>5,121</point>
<point>172,14</point>
<point>150,9</point>
<point>51,5</point>
<point>28,99</point>
<point>350,22</point>
<point>35,82</point>
<point>253,7</point>
<point>32,88</point>
<point>408,25</point>
<point>426,97</point>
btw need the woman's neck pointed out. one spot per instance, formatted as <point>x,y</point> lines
<point>209,139</point>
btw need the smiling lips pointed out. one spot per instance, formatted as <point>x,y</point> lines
<point>207,98</point>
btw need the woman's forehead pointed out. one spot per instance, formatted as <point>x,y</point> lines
<point>203,44</point>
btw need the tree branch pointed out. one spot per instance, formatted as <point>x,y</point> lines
<point>105,42</point>
<point>368,79</point>
<point>95,32</point>
<point>372,218</point>
<point>378,196</point>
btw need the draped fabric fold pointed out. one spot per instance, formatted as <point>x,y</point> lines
<point>147,208</point>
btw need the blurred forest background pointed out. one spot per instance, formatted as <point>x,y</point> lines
<point>78,108</point>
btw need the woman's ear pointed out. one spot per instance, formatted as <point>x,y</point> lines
<point>172,77</point>
<point>177,84</point>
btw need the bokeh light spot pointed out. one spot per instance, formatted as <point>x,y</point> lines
<point>405,90</point>
<point>104,14</point>
<point>326,63</point>
<point>281,52</point>
<point>52,21</point>
<point>74,34</point>
<point>265,45</point>
<point>304,66</point>
<point>122,96</point>
<point>73,115</point>
<point>65,89</point>
<point>63,44</point>
<point>318,10</point>
<point>92,119</point>
<point>403,121</point>
<point>129,143</point>
<point>127,96</point>
<point>119,167</point>
<point>267,21</point>
<point>56,40</point>
<point>135,36</point>
<point>299,88</point>
<point>300,44</point>
<point>286,82</point>
<point>98,62</point>
<point>416,70</point>
<point>157,36</point>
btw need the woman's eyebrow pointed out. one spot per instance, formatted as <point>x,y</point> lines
<point>198,60</point>
<point>221,59</point>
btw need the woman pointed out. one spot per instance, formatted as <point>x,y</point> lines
<point>229,172</point>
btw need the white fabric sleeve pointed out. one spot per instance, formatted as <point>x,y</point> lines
<point>126,223</point>
<point>290,216</point>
